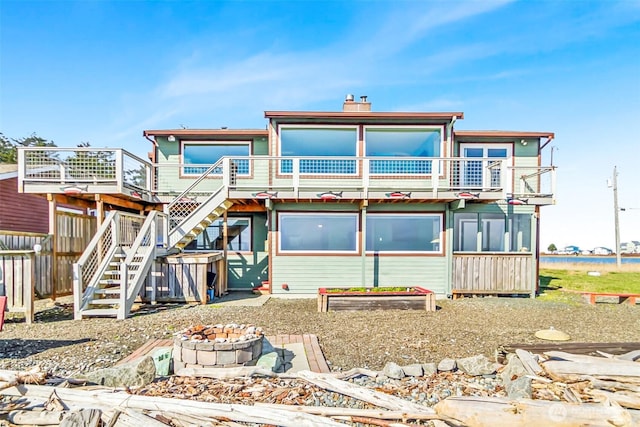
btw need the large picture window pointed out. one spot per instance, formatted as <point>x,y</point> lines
<point>238,236</point>
<point>203,153</point>
<point>402,142</point>
<point>404,233</point>
<point>486,232</point>
<point>319,142</point>
<point>318,232</point>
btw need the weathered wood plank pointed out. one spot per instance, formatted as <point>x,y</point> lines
<point>508,273</point>
<point>570,347</point>
<point>498,412</point>
<point>379,302</point>
<point>109,399</point>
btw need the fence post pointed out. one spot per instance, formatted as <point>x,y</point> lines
<point>154,246</point>
<point>29,289</point>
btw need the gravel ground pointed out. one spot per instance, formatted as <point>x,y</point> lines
<point>460,328</point>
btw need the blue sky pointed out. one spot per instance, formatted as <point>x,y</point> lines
<point>103,71</point>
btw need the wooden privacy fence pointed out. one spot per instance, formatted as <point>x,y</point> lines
<point>493,274</point>
<point>14,247</point>
<point>73,234</point>
<point>53,266</point>
<point>18,273</point>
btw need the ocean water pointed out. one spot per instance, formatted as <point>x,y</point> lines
<point>572,259</point>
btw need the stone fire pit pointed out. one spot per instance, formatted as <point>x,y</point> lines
<point>217,346</point>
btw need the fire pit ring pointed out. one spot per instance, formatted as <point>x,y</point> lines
<point>217,346</point>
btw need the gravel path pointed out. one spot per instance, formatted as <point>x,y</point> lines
<point>348,339</point>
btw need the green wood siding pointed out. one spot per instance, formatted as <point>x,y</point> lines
<point>168,176</point>
<point>305,274</point>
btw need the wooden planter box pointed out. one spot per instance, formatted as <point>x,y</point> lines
<point>343,299</point>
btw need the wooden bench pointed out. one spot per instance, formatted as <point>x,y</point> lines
<point>461,293</point>
<point>622,297</point>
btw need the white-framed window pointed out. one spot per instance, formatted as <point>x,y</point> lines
<point>307,142</point>
<point>318,232</point>
<point>203,154</point>
<point>404,232</point>
<point>486,232</point>
<point>239,236</point>
<point>483,173</point>
<point>408,144</point>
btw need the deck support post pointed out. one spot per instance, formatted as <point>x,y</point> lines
<point>53,231</point>
<point>363,242</point>
<point>225,240</point>
<point>99,210</point>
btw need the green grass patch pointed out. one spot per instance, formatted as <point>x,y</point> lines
<point>554,284</point>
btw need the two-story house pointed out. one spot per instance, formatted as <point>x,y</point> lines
<point>347,198</point>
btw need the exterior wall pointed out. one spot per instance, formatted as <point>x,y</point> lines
<point>306,273</point>
<point>21,211</point>
<point>168,156</point>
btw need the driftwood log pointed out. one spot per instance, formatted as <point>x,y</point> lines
<point>44,418</point>
<point>326,411</point>
<point>383,400</point>
<point>83,418</point>
<point>499,412</point>
<point>11,378</point>
<point>107,398</point>
<point>226,373</point>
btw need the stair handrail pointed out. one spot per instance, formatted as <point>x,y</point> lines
<point>92,257</point>
<point>146,238</point>
<point>195,216</point>
<point>217,164</point>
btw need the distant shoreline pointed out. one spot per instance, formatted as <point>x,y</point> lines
<point>589,259</point>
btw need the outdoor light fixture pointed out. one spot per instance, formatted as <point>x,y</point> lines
<point>171,138</point>
<point>523,142</point>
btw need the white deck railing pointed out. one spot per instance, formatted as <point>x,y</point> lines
<point>85,166</point>
<point>81,167</point>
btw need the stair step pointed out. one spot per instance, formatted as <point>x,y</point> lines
<point>112,272</point>
<point>99,312</point>
<point>107,291</point>
<point>109,281</point>
<point>105,301</point>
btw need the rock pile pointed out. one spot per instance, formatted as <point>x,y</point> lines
<point>220,333</point>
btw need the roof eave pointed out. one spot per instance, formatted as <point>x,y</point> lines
<point>503,134</point>
<point>360,115</point>
<point>206,132</point>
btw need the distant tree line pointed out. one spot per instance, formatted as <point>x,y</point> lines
<point>80,164</point>
<point>8,146</point>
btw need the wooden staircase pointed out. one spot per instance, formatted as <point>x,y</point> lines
<point>203,215</point>
<point>111,271</point>
<point>115,270</point>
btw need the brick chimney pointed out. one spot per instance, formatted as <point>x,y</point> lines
<point>351,106</point>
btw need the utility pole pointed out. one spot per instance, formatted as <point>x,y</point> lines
<point>616,219</point>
